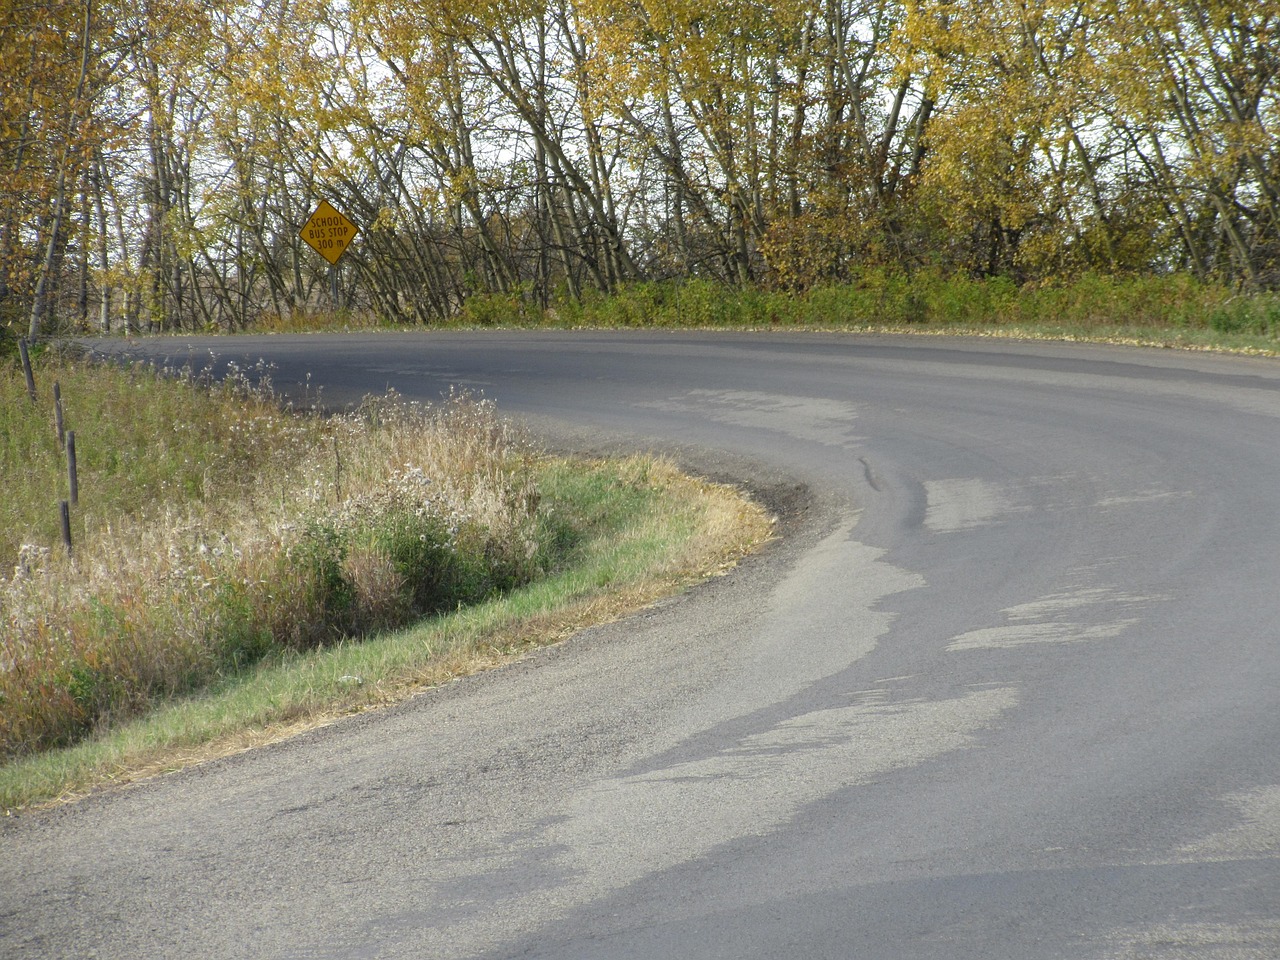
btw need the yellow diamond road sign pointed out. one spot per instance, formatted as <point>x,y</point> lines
<point>329,232</point>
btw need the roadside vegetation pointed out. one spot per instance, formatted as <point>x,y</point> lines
<point>239,570</point>
<point>1166,311</point>
<point>1162,311</point>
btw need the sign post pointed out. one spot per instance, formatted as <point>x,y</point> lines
<point>329,233</point>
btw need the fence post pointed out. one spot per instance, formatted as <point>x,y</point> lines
<point>26,368</point>
<point>57,415</point>
<point>72,478</point>
<point>65,509</point>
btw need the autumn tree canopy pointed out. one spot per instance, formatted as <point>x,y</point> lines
<point>157,159</point>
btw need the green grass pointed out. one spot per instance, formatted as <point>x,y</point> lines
<point>1175,310</point>
<point>1165,311</point>
<point>275,593</point>
<point>143,445</point>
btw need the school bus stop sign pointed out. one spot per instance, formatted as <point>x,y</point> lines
<point>329,232</point>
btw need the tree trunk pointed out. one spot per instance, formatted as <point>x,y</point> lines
<point>38,303</point>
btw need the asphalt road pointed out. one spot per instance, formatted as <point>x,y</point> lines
<point>1008,688</point>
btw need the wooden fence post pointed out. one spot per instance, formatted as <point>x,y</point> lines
<point>72,478</point>
<point>26,368</point>
<point>65,509</point>
<point>57,415</point>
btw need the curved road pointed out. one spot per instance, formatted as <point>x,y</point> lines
<point>1009,688</point>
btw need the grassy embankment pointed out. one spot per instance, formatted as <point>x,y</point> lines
<point>239,572</point>
<point>1173,311</point>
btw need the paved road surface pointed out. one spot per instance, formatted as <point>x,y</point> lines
<point>1010,688</point>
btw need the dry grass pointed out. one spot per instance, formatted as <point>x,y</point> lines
<point>325,529</point>
<point>647,531</point>
<point>208,617</point>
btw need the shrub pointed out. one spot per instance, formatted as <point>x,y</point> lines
<point>1259,315</point>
